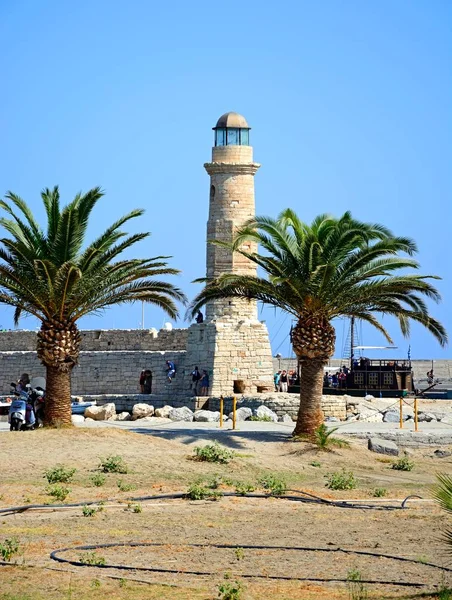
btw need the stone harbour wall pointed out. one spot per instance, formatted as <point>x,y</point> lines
<point>281,404</point>
<point>104,339</point>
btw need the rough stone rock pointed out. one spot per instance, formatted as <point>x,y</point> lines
<point>265,412</point>
<point>124,416</point>
<point>393,416</point>
<point>425,417</point>
<point>286,419</point>
<point>76,419</point>
<point>156,420</point>
<point>442,453</point>
<point>332,420</point>
<point>242,414</point>
<point>370,416</point>
<point>88,420</point>
<point>383,446</point>
<point>107,412</point>
<point>181,414</point>
<point>447,420</point>
<point>207,416</point>
<point>164,411</point>
<point>369,397</point>
<point>140,411</point>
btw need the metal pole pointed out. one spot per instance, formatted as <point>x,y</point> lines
<point>415,415</point>
<point>234,412</point>
<point>221,410</point>
<point>401,412</point>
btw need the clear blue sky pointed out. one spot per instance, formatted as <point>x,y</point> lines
<point>350,104</point>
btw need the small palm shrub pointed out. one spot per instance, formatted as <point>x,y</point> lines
<point>341,480</point>
<point>324,440</point>
<point>213,453</point>
<point>442,493</point>
<point>59,474</point>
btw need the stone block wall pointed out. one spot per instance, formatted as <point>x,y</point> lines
<point>281,403</point>
<point>104,339</point>
<point>104,372</point>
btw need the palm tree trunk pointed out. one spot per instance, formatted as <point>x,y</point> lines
<point>310,414</point>
<point>58,398</point>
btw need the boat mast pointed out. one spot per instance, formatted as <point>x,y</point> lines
<point>352,337</point>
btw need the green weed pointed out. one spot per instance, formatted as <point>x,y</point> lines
<point>198,491</point>
<point>59,474</point>
<point>113,464</point>
<point>276,485</point>
<point>403,464</point>
<point>230,591</point>
<point>379,492</point>
<point>124,487</point>
<point>9,548</point>
<point>239,553</point>
<point>91,558</point>
<point>58,492</point>
<point>244,488</point>
<point>357,590</point>
<point>98,479</point>
<point>213,453</point>
<point>315,463</point>
<point>341,480</point>
<point>88,511</point>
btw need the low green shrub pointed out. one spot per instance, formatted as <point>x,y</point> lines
<point>8,548</point>
<point>113,464</point>
<point>98,479</point>
<point>59,492</point>
<point>198,491</point>
<point>341,480</point>
<point>244,488</point>
<point>403,464</point>
<point>213,453</point>
<point>230,591</point>
<point>379,492</point>
<point>315,463</point>
<point>274,484</point>
<point>88,511</point>
<point>357,590</point>
<point>91,558</point>
<point>59,474</point>
<point>124,486</point>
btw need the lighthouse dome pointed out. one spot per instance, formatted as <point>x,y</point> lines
<point>232,119</point>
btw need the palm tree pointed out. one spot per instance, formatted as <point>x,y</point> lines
<point>442,493</point>
<point>335,267</point>
<point>53,276</point>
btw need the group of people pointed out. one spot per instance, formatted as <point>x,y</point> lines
<point>199,380</point>
<point>282,380</point>
<point>338,379</point>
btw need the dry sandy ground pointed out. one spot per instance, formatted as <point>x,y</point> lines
<point>161,465</point>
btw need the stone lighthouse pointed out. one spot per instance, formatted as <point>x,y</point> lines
<point>232,344</point>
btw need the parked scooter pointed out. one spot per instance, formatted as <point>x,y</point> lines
<point>21,412</point>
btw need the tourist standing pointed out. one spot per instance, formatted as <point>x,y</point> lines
<point>195,377</point>
<point>283,382</point>
<point>276,377</point>
<point>204,383</point>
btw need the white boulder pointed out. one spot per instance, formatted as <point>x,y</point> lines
<point>286,419</point>
<point>207,416</point>
<point>181,414</point>
<point>370,416</point>
<point>164,411</point>
<point>107,412</point>
<point>142,410</point>
<point>77,419</point>
<point>156,420</point>
<point>124,416</point>
<point>242,414</point>
<point>263,412</point>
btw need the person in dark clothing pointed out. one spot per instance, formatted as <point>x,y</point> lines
<point>283,382</point>
<point>170,370</point>
<point>204,383</point>
<point>147,384</point>
<point>142,378</point>
<point>199,317</point>
<point>195,377</point>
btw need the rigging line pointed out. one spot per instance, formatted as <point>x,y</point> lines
<point>281,343</point>
<point>280,327</point>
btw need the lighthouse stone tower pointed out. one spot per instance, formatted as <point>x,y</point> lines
<point>232,344</point>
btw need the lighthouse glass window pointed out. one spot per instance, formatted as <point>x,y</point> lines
<point>244,137</point>
<point>233,137</point>
<point>220,137</point>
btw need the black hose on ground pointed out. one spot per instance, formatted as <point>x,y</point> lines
<point>55,556</point>
<point>309,498</point>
